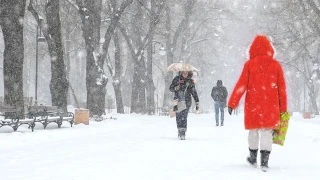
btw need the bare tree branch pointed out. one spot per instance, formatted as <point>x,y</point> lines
<point>114,22</point>
<point>113,5</point>
<point>73,4</point>
<point>153,22</point>
<point>184,23</point>
<point>314,7</point>
<point>196,42</point>
<point>197,29</point>
<point>33,11</point>
<point>125,34</point>
<point>144,6</point>
<point>108,62</point>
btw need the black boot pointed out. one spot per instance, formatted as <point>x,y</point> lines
<point>182,133</point>
<point>264,160</point>
<point>252,159</point>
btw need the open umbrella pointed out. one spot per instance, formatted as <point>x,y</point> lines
<point>181,67</point>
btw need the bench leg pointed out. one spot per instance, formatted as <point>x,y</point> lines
<point>15,127</point>
<point>44,125</point>
<point>32,126</point>
<point>59,123</point>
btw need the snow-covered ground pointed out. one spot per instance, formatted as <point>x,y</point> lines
<point>147,148</point>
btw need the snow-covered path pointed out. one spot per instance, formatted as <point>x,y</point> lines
<point>147,148</point>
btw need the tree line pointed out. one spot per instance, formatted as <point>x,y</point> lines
<point>120,40</point>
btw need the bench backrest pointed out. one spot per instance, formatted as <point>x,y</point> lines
<point>52,108</point>
<point>7,109</point>
<point>43,110</point>
<point>8,112</point>
<point>36,108</point>
<point>34,111</point>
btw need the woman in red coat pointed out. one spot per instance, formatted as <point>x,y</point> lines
<point>263,81</point>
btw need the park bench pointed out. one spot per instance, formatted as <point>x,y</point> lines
<point>9,116</point>
<point>51,114</point>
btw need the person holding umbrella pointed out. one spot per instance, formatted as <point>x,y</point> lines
<point>184,87</point>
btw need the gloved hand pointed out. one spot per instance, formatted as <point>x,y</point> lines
<point>177,88</point>
<point>197,106</point>
<point>230,110</point>
<point>175,108</point>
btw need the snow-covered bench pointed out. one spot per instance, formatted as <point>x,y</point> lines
<point>9,116</point>
<point>52,114</point>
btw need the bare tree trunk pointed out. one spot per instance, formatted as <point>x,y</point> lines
<point>117,81</point>
<point>150,87</point>
<point>141,78</point>
<point>52,32</point>
<point>90,11</point>
<point>59,83</point>
<point>313,99</point>
<point>169,76</point>
<point>138,95</point>
<point>91,20</point>
<point>138,100</point>
<point>67,60</point>
<point>135,108</point>
<point>11,20</point>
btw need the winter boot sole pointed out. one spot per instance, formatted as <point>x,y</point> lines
<point>182,137</point>
<point>252,164</point>
<point>264,168</point>
<point>264,160</point>
<point>182,133</point>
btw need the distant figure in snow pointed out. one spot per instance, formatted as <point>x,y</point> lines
<point>219,94</point>
<point>183,87</point>
<point>263,81</point>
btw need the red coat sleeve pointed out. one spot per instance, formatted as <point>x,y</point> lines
<point>240,87</point>
<point>282,91</point>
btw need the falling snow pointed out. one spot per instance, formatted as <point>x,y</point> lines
<point>213,36</point>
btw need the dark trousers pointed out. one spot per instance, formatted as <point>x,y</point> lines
<point>182,118</point>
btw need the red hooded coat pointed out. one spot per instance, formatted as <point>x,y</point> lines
<point>263,81</point>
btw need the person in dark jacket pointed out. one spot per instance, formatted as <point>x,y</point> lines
<point>219,94</point>
<point>183,87</point>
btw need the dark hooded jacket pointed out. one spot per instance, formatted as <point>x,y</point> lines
<point>187,88</point>
<point>219,92</point>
